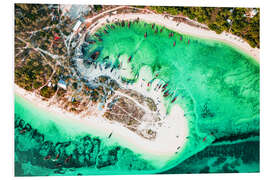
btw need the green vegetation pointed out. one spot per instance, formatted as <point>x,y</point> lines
<point>97,7</point>
<point>32,74</point>
<point>238,21</point>
<point>47,92</point>
<point>39,32</point>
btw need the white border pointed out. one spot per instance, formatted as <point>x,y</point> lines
<point>7,141</point>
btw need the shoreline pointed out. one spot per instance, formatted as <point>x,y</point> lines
<point>159,151</point>
<point>181,28</point>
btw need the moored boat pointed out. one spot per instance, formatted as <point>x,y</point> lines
<point>129,58</point>
<point>174,99</point>
<point>165,85</point>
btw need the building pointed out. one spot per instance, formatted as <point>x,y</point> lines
<point>62,84</point>
<point>253,12</point>
<point>229,21</point>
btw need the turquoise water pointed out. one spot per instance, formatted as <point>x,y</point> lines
<point>216,85</point>
<point>46,135</point>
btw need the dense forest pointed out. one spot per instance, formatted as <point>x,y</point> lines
<point>243,22</point>
<point>39,34</point>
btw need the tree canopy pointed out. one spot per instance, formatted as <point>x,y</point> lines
<point>237,21</point>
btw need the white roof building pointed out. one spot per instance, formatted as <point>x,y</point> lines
<point>62,84</point>
<point>229,21</point>
<point>253,12</point>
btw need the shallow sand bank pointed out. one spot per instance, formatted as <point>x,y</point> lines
<point>170,136</point>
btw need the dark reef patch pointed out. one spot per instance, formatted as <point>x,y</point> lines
<point>33,150</point>
<point>231,158</point>
<point>234,137</point>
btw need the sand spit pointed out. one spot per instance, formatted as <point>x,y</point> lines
<point>171,136</point>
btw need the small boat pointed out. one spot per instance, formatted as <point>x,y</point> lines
<point>204,139</point>
<point>56,38</point>
<point>95,55</point>
<point>153,26</point>
<point>105,58</point>
<point>97,35</point>
<point>128,24</point>
<point>92,42</point>
<point>188,41</point>
<point>145,35</point>
<point>22,131</point>
<point>165,85</point>
<point>105,32</point>
<point>148,84</point>
<point>174,43</point>
<point>67,159</point>
<point>56,158</point>
<point>58,165</point>
<point>107,65</point>
<point>119,66</point>
<point>129,58</point>
<point>174,99</point>
<point>110,135</point>
<point>100,67</point>
<point>99,39</point>
<point>181,38</point>
<point>161,30</point>
<point>47,157</point>
<point>112,69</point>
<point>166,94</point>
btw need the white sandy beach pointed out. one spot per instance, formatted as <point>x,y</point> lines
<point>171,137</point>
<point>182,28</point>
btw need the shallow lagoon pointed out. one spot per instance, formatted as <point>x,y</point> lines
<point>215,84</point>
